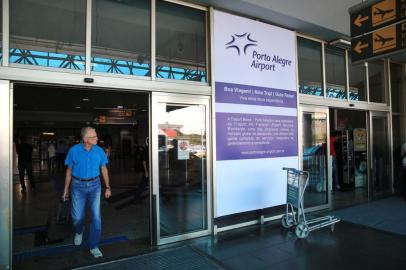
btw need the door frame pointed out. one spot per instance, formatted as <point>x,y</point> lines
<point>6,173</point>
<point>156,98</point>
<point>315,109</point>
<point>375,114</point>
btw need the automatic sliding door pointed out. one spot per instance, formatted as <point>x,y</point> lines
<point>5,173</point>
<point>180,130</point>
<point>380,159</point>
<point>314,155</point>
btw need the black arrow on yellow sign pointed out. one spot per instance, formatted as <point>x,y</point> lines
<point>360,46</point>
<point>359,20</point>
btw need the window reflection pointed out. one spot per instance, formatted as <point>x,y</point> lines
<point>182,168</point>
<point>180,42</point>
<point>397,80</point>
<point>357,81</point>
<point>48,33</point>
<point>121,43</point>
<point>376,82</point>
<point>335,73</point>
<point>315,157</point>
<point>310,67</point>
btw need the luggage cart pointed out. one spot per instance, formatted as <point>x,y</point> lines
<point>296,186</point>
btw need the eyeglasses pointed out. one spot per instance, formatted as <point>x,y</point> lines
<point>92,137</point>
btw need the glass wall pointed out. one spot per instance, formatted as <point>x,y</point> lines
<point>376,74</point>
<point>121,37</point>
<point>1,32</point>
<point>180,42</point>
<point>398,94</point>
<point>356,75</point>
<point>314,145</point>
<point>397,78</point>
<point>48,33</point>
<point>381,180</point>
<point>182,168</point>
<point>335,73</point>
<point>310,67</point>
<point>53,34</point>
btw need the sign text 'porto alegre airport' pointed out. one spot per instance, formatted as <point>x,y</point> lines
<point>256,112</point>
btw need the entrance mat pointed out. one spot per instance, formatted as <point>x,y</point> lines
<point>175,258</point>
<point>386,214</point>
<point>41,252</point>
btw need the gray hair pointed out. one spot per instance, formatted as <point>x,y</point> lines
<point>84,131</point>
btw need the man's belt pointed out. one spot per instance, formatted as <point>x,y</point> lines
<point>86,179</point>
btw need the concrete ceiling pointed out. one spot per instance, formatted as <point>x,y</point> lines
<point>324,19</point>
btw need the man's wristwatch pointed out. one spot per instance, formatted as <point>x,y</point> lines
<point>107,187</point>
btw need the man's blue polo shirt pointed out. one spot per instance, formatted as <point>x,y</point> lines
<point>84,163</point>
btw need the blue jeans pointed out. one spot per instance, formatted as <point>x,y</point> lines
<point>83,192</point>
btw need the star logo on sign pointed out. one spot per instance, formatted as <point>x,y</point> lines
<point>241,42</point>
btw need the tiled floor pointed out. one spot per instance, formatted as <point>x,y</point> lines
<point>257,247</point>
<point>270,247</point>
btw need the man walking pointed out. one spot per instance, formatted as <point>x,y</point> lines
<point>24,152</point>
<point>84,163</point>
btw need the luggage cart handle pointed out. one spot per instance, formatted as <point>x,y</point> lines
<point>296,171</point>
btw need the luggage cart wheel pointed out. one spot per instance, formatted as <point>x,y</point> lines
<point>287,221</point>
<point>302,230</point>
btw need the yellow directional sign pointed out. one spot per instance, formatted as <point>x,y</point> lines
<point>359,20</point>
<point>359,47</point>
<point>384,39</point>
<point>381,42</point>
<point>368,17</point>
<point>383,12</point>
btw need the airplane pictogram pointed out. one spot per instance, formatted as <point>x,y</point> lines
<point>382,12</point>
<point>382,39</point>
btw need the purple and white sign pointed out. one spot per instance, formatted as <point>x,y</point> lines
<point>248,136</point>
<point>254,95</point>
<point>256,112</point>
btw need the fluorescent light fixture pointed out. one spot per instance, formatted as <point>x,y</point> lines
<point>85,99</point>
<point>77,107</point>
<point>120,106</point>
<point>47,133</point>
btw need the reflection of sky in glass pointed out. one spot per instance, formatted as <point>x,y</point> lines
<point>47,59</point>
<point>106,65</point>
<point>336,92</point>
<point>180,74</point>
<point>191,118</point>
<point>311,90</point>
<point>119,66</point>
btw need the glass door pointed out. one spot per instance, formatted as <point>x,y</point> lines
<point>381,180</point>
<point>314,141</point>
<point>6,173</point>
<point>181,158</point>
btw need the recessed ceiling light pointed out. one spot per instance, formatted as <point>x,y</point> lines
<point>120,106</point>
<point>85,99</point>
<point>77,107</point>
